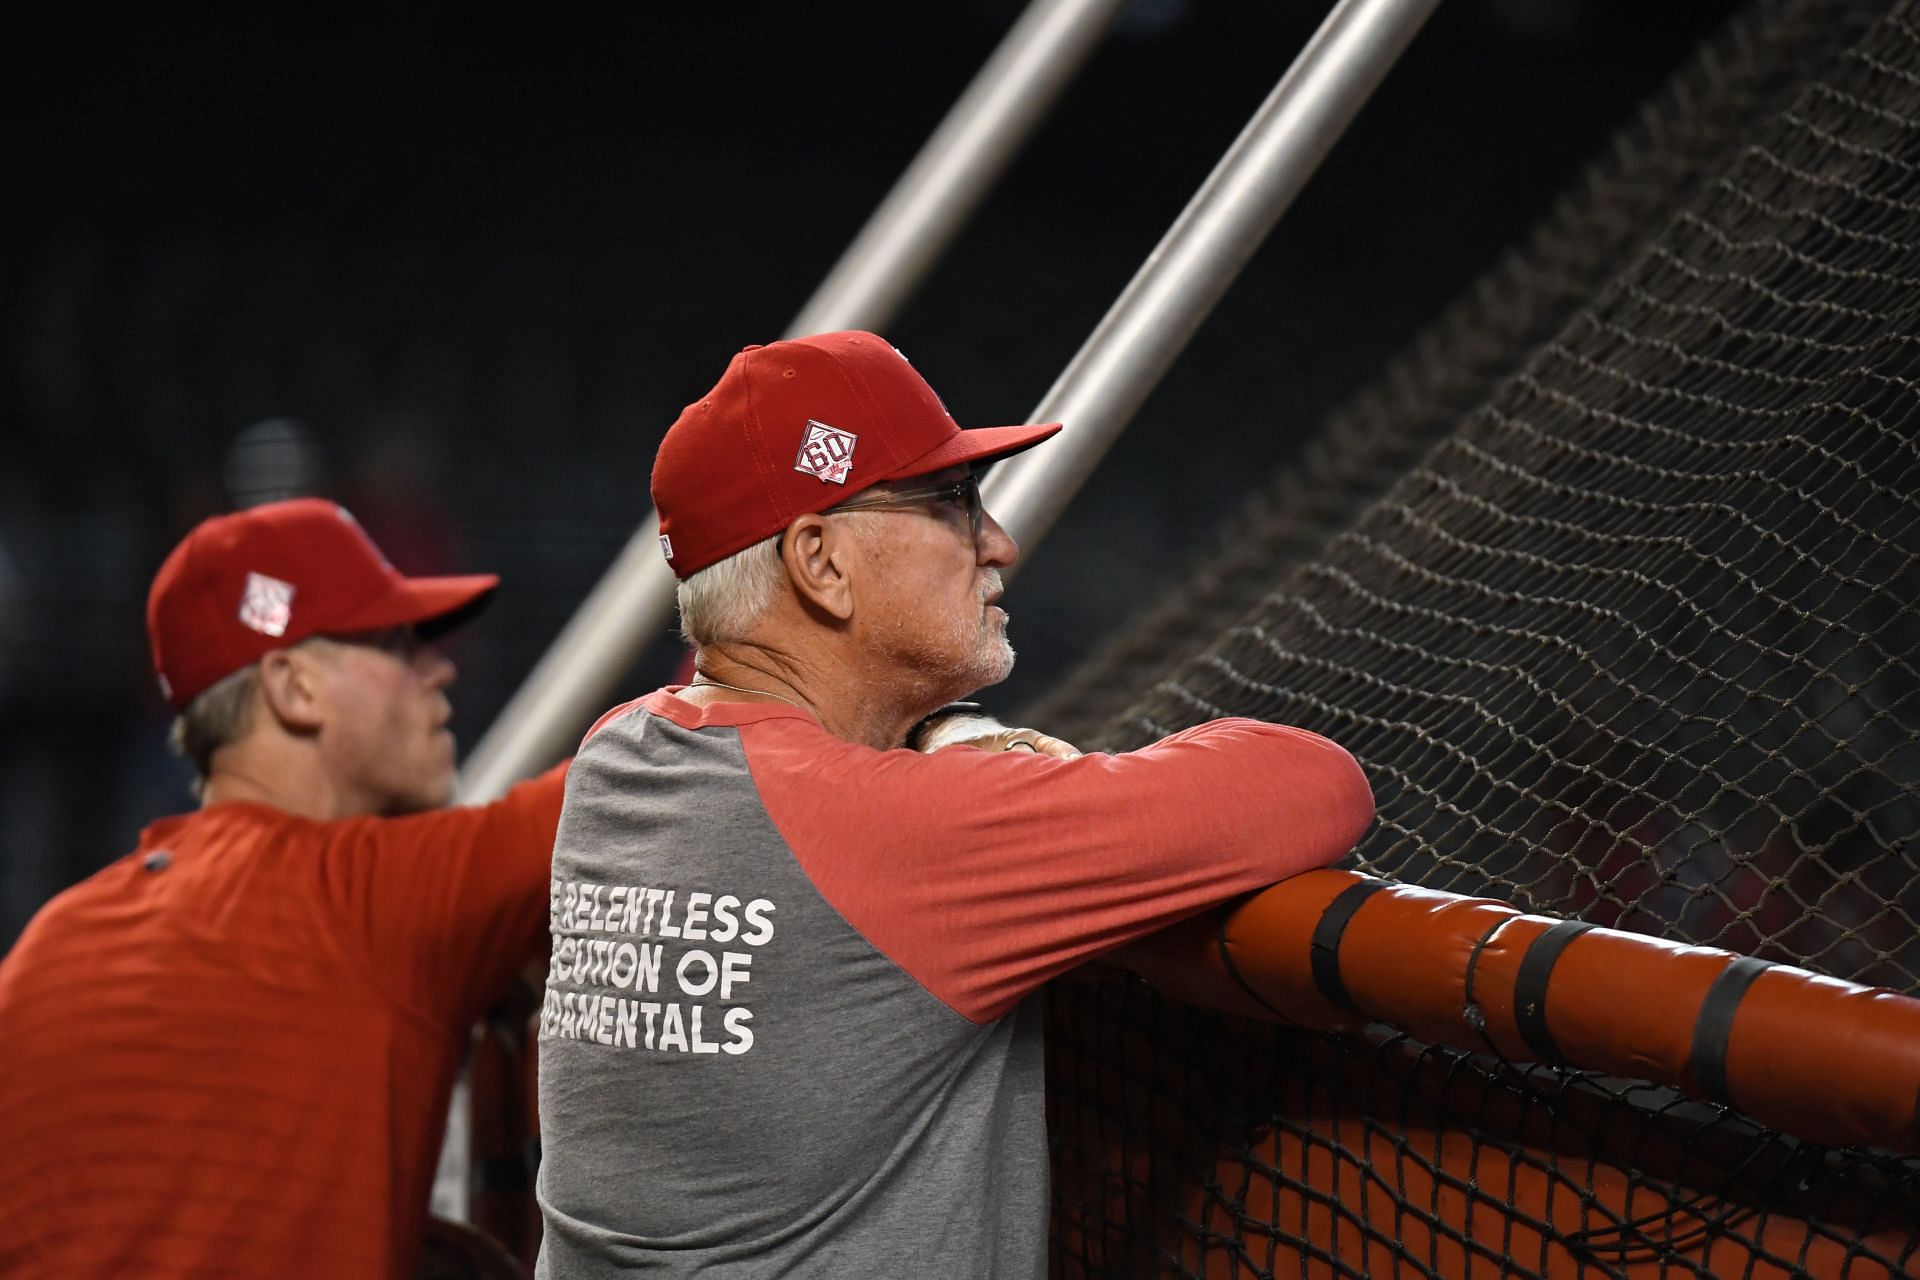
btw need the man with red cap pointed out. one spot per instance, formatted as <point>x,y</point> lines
<point>786,1029</point>
<point>230,1052</point>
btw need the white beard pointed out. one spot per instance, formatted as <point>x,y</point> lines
<point>972,652</point>
<point>992,653</point>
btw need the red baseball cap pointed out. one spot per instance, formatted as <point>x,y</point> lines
<point>242,585</point>
<point>799,426</point>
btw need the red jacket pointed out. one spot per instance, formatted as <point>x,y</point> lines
<point>229,1053</point>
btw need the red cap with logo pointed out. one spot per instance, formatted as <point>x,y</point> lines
<point>799,426</point>
<point>242,585</point>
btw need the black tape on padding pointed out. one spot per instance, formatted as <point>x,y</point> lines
<point>1325,947</point>
<point>1713,1029</point>
<point>1530,988</point>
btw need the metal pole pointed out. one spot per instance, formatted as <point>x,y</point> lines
<point>624,613</point>
<point>633,601</point>
<point>1199,257</point>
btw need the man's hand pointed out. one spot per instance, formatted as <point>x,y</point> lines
<point>975,729</point>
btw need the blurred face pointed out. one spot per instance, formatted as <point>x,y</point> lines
<point>929,608</point>
<point>384,737</point>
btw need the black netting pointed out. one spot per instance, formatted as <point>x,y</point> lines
<point>1620,614</point>
<point>1751,69</point>
<point>1189,1143</point>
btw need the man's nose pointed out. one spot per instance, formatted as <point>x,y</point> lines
<point>436,668</point>
<point>994,547</point>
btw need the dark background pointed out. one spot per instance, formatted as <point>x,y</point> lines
<point>468,266</point>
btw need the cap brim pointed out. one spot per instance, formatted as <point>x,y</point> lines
<point>434,605</point>
<point>981,444</point>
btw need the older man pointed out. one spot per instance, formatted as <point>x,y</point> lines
<point>230,1052</point>
<point>786,1031</point>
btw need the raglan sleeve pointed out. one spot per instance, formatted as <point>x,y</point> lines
<point>449,905</point>
<point>985,874</point>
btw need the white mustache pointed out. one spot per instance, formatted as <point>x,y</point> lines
<point>990,586</point>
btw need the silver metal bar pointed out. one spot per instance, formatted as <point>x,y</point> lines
<point>1199,257</point>
<point>633,601</point>
<point>623,614</point>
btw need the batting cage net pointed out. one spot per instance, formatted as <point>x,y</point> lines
<point>1612,586</point>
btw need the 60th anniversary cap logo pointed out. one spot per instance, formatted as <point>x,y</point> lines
<point>826,452</point>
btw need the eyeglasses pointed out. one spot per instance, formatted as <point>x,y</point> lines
<point>964,494</point>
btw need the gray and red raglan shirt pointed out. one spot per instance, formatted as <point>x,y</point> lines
<point>785,1031</point>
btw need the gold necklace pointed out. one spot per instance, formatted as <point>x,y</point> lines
<point>701,680</point>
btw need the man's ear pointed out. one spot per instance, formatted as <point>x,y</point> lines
<point>819,556</point>
<point>293,686</point>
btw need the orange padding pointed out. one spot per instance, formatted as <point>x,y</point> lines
<point>1826,1060</point>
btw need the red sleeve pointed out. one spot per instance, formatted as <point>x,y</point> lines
<point>985,874</point>
<point>450,904</point>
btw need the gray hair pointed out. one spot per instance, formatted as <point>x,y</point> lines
<point>221,714</point>
<point>720,603</point>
